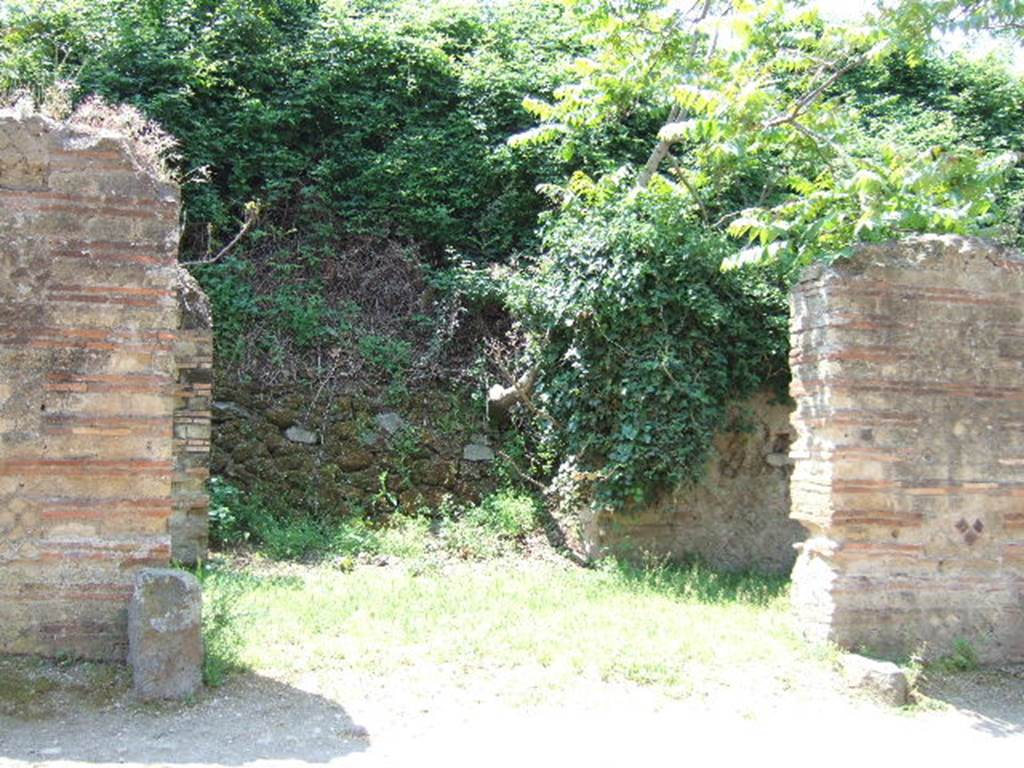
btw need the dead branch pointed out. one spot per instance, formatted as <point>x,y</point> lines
<point>252,214</point>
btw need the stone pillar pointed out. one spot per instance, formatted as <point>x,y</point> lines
<point>88,312</point>
<point>909,453</point>
<point>193,354</point>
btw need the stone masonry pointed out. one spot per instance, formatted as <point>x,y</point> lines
<point>908,373</point>
<point>88,385</point>
<point>736,517</point>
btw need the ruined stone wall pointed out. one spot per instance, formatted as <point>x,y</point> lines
<point>87,384</point>
<point>735,518</point>
<point>909,458</point>
<point>193,354</point>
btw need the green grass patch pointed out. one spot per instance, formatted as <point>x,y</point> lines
<point>678,629</point>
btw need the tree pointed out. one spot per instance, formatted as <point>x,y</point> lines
<point>751,91</point>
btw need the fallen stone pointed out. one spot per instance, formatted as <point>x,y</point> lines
<point>298,434</point>
<point>165,642</point>
<point>882,681</point>
<point>224,408</point>
<point>390,422</point>
<point>477,452</point>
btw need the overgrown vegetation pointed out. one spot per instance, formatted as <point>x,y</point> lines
<point>767,158</point>
<point>641,338</point>
<point>498,525</point>
<point>361,191</point>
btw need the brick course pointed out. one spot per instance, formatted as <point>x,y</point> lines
<point>908,477</point>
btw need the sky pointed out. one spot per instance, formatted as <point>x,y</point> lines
<point>976,44</point>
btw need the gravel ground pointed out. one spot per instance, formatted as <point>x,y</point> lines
<point>71,715</point>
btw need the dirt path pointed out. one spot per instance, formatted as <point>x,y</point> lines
<point>84,715</point>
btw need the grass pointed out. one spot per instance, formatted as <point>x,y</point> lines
<point>459,594</point>
<point>491,528</point>
<point>677,629</point>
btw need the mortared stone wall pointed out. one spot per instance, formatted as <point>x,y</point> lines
<point>909,452</point>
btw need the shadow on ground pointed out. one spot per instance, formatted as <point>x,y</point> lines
<point>85,712</point>
<point>992,698</point>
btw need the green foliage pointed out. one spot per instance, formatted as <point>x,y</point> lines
<point>232,515</point>
<point>903,193</point>
<point>491,528</point>
<point>645,339</point>
<point>387,356</point>
<point>783,140</point>
<point>390,115</point>
<point>942,103</point>
<point>237,518</point>
<point>347,121</point>
<point>761,135</point>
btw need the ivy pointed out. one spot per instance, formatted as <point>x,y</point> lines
<point>643,339</point>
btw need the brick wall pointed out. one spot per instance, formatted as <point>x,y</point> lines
<point>87,384</point>
<point>909,458</point>
<point>193,353</point>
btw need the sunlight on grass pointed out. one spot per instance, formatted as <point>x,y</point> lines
<point>670,628</point>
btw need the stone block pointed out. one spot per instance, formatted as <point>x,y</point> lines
<point>165,642</point>
<point>882,681</point>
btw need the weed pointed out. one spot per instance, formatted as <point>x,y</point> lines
<point>963,658</point>
<point>492,528</point>
<point>406,537</point>
<point>508,514</point>
<point>353,536</point>
<point>222,631</point>
<point>405,445</point>
<point>385,355</point>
